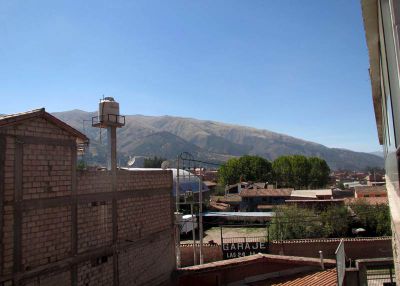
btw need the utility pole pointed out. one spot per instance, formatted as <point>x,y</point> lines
<point>201,217</point>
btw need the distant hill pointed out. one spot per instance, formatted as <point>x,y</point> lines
<point>377,153</point>
<point>167,136</point>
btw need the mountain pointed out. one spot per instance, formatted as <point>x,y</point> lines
<point>378,153</point>
<point>168,136</point>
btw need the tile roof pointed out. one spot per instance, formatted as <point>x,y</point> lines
<point>265,207</point>
<point>219,206</point>
<point>266,192</point>
<point>257,258</point>
<point>12,119</point>
<point>231,198</point>
<point>368,200</point>
<point>321,278</point>
<point>370,189</point>
<point>327,201</point>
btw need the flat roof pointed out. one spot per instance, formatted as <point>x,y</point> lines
<point>239,214</point>
<point>311,193</point>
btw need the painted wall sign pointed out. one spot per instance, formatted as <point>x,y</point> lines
<point>241,249</point>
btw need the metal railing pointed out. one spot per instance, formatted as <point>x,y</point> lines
<point>381,275</point>
<point>109,119</point>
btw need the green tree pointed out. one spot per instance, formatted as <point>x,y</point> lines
<point>247,168</point>
<point>375,219</point>
<point>292,222</point>
<point>336,221</point>
<point>301,169</point>
<point>154,162</point>
<point>319,173</point>
<point>298,171</point>
<point>282,169</point>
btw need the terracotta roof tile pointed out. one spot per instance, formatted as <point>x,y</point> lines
<point>370,189</point>
<point>321,278</point>
<point>369,200</point>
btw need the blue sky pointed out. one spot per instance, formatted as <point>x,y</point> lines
<point>295,67</point>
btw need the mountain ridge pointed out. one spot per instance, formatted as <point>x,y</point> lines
<point>211,140</point>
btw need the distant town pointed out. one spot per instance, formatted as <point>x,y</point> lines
<point>65,219</point>
<point>106,198</point>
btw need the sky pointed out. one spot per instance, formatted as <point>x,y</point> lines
<point>293,67</point>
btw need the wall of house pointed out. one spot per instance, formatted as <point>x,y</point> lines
<point>60,226</point>
<point>358,248</point>
<point>237,271</point>
<point>354,248</point>
<point>211,253</point>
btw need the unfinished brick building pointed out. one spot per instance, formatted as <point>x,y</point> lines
<point>61,226</point>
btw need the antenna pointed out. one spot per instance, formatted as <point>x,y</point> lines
<point>165,165</point>
<point>131,160</point>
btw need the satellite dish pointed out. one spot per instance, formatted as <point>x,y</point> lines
<point>165,165</point>
<point>131,161</point>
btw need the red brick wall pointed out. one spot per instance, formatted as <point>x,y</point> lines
<point>211,253</point>
<point>355,249</point>
<point>62,219</point>
<point>94,225</point>
<point>97,272</point>
<point>46,171</point>
<point>46,236</point>
<point>56,278</point>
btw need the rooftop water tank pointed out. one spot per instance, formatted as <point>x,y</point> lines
<point>108,111</point>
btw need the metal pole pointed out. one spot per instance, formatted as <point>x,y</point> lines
<point>222,243</point>
<point>194,235</point>
<point>177,239</point>
<point>177,185</point>
<point>177,220</point>
<point>201,218</point>
<point>321,256</point>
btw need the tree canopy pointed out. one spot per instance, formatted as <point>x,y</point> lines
<point>293,171</point>
<point>299,172</point>
<point>292,222</point>
<point>154,162</point>
<point>246,168</point>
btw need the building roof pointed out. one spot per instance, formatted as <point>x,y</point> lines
<point>239,214</point>
<point>365,190</point>
<point>17,118</point>
<point>257,258</point>
<point>219,206</point>
<point>316,201</point>
<point>313,194</point>
<point>266,192</point>
<point>321,278</point>
<point>353,184</point>
<point>370,17</point>
<point>188,182</point>
<point>369,200</point>
<point>265,207</point>
<point>209,184</point>
<point>230,198</point>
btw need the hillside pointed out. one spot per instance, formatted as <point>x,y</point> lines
<point>168,136</point>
